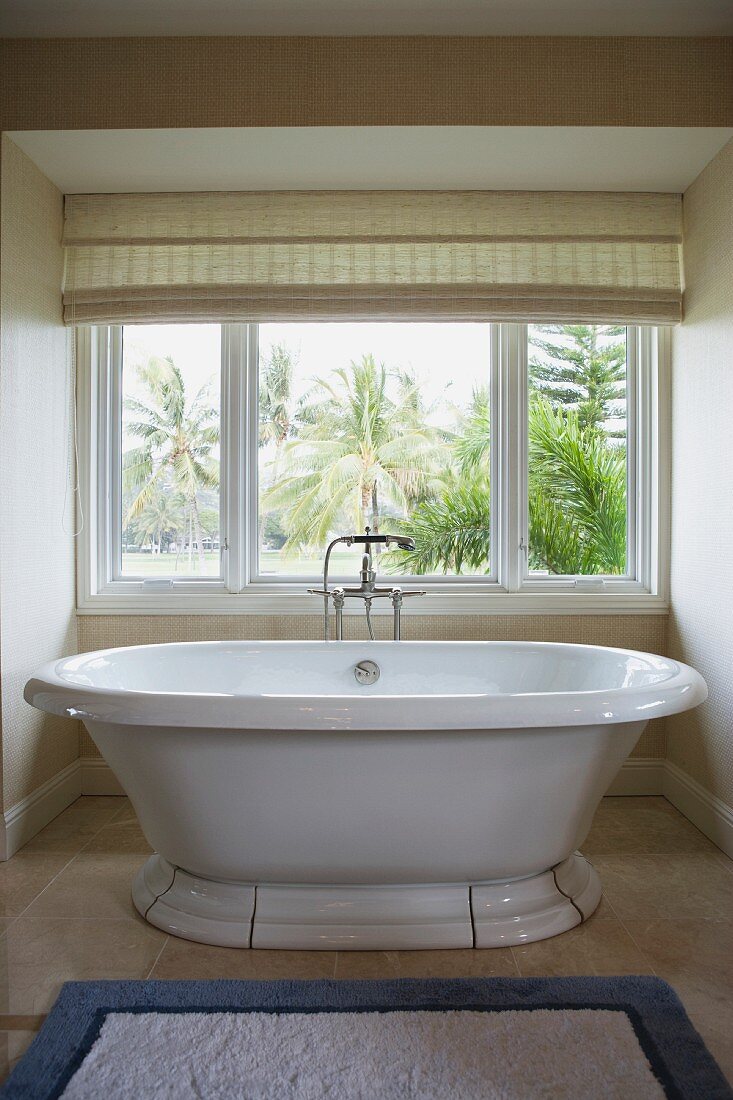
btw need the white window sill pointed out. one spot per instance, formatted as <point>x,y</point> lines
<point>296,601</point>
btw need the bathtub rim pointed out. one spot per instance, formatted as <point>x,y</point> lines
<point>682,690</point>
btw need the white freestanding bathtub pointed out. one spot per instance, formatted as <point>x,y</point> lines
<point>291,806</point>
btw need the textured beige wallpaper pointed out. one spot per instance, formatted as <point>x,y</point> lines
<point>645,632</point>
<point>108,83</point>
<point>37,621</point>
<point>701,623</point>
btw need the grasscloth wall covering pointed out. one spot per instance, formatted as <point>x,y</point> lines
<point>645,632</point>
<point>37,599</point>
<point>168,82</point>
<point>701,622</point>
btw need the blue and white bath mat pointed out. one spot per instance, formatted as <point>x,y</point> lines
<point>473,1039</point>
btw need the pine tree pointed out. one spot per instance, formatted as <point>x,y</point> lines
<point>585,370</point>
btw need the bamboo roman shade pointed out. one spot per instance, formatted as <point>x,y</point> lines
<point>380,255</point>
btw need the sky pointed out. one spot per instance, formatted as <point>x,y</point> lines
<point>437,353</point>
<point>195,349</point>
<point>442,355</point>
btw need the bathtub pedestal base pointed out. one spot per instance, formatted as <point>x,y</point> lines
<point>369,917</point>
<point>512,913</point>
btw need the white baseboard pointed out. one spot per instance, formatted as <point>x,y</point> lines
<point>711,815</point>
<point>639,775</point>
<point>97,777</point>
<point>27,817</point>
<point>21,822</point>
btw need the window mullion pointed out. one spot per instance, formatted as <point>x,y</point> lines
<point>110,443</point>
<point>496,463</point>
<point>233,454</point>
<point>512,465</point>
<point>635,434</point>
<point>659,460</point>
<point>250,464</point>
<point>645,450</point>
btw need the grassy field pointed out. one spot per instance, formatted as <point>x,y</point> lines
<point>164,565</point>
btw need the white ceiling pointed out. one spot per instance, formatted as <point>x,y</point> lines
<point>525,158</point>
<point>91,18</point>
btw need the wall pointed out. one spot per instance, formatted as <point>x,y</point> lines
<point>174,82</point>
<point>37,597</point>
<point>109,83</point>
<point>645,632</point>
<point>701,621</point>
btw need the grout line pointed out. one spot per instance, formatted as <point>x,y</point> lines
<point>638,947</point>
<point>149,974</point>
<point>723,857</point>
<point>61,869</point>
<point>516,963</point>
<point>43,890</point>
<point>605,898</point>
<point>95,835</point>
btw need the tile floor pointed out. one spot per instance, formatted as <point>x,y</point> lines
<point>65,913</point>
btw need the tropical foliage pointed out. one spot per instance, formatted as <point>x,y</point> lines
<point>577,495</point>
<point>584,370</point>
<point>362,451</point>
<point>165,475</point>
<point>362,445</point>
<point>276,410</point>
<point>357,450</point>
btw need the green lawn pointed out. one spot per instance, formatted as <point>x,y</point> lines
<point>271,562</point>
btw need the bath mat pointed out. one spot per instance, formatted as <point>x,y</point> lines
<point>473,1039</point>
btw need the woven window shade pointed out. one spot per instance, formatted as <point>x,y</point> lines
<point>381,255</point>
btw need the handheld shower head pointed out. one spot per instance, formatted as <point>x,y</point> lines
<point>404,542</point>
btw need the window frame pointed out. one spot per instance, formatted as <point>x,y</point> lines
<point>507,589</point>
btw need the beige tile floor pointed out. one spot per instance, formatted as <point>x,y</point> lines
<point>65,913</point>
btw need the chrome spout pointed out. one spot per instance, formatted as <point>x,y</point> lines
<point>367,590</point>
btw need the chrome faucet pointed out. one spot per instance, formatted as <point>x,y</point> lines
<point>367,589</point>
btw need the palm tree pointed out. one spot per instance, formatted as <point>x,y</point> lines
<point>452,532</point>
<point>583,371</point>
<point>358,451</point>
<point>577,501</point>
<point>178,441</point>
<point>276,396</point>
<point>276,412</point>
<point>577,495</point>
<point>162,515</point>
<point>473,437</point>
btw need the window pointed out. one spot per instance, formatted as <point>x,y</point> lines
<point>169,505</point>
<point>385,425</point>
<point>577,456</point>
<point>219,460</point>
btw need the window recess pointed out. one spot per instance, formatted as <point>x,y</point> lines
<point>527,460</point>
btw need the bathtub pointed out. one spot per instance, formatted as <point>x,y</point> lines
<point>291,806</point>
